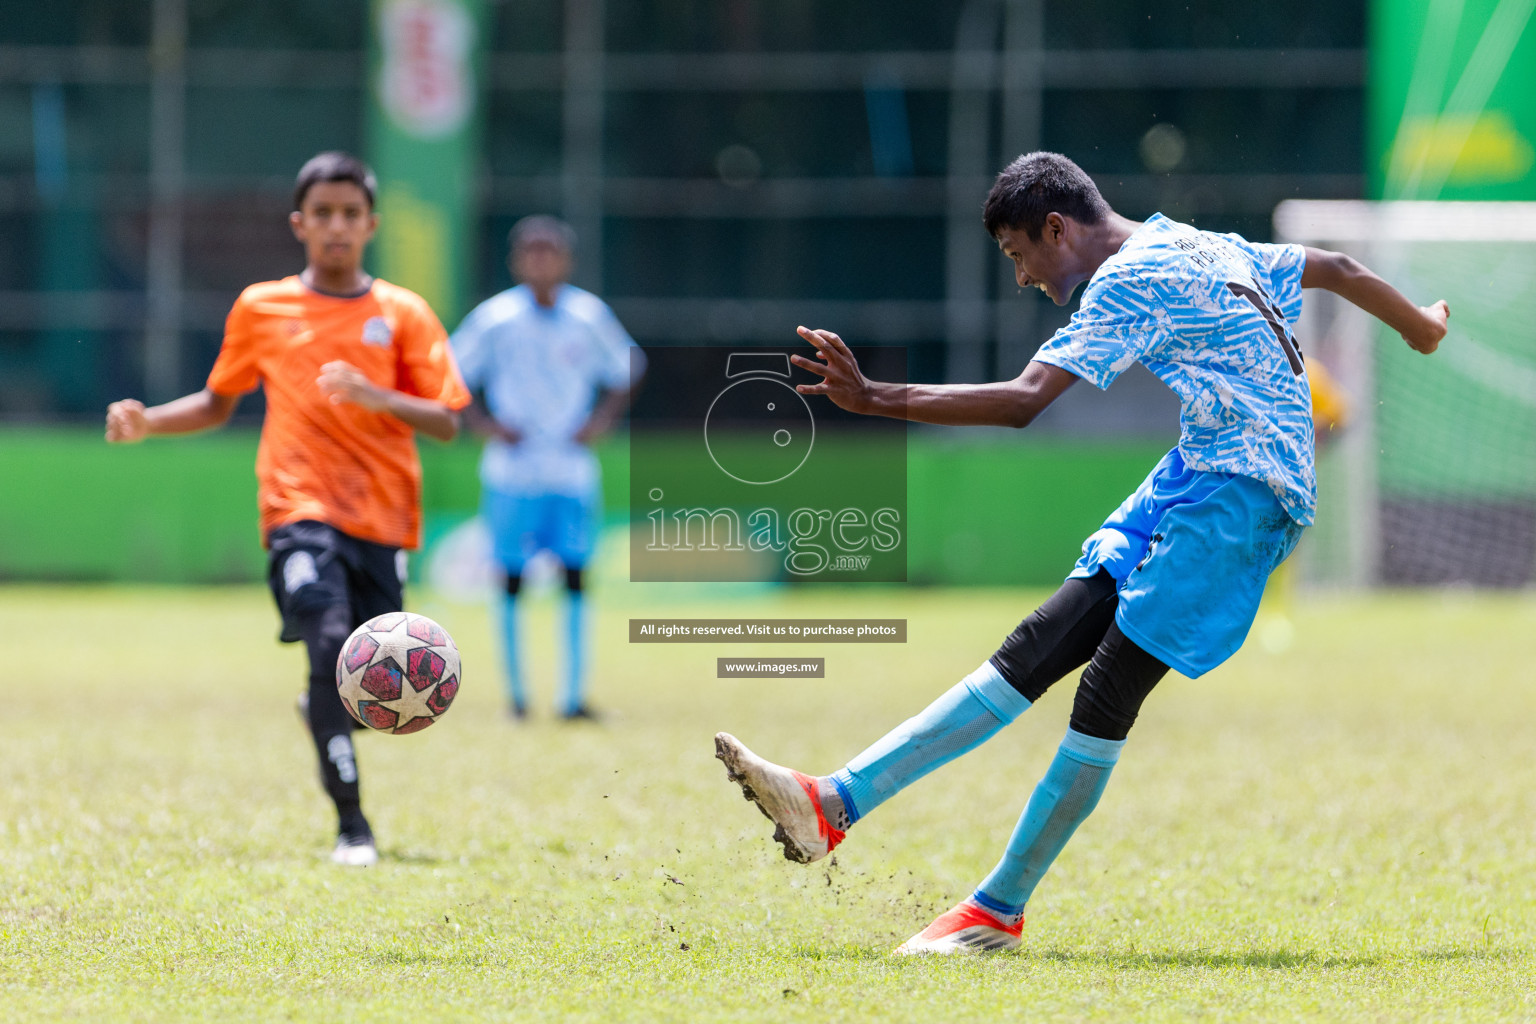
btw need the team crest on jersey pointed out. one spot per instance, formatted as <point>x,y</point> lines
<point>378,332</point>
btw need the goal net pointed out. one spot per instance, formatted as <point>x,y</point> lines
<point>1431,477</point>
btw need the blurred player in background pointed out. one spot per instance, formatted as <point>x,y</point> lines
<point>1330,419</point>
<point>556,369</point>
<point>1330,402</point>
<point>1174,577</point>
<point>352,368</point>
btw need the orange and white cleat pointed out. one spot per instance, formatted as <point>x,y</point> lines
<point>786,797</point>
<point>965,928</point>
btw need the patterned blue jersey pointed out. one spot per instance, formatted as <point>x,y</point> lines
<point>1211,316</point>
<point>541,370</point>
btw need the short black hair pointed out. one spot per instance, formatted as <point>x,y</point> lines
<point>542,229</point>
<point>333,165</point>
<point>1037,184</point>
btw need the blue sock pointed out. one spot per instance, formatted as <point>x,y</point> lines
<point>575,650</point>
<point>513,662</point>
<point>962,719</point>
<point>1062,800</point>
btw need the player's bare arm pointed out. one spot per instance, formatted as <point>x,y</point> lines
<point>483,424</point>
<point>343,382</point>
<point>129,421</point>
<point>1422,327</point>
<point>1009,403</point>
<point>604,415</point>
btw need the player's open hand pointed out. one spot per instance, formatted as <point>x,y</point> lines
<point>841,379</point>
<point>342,382</point>
<point>1426,336</point>
<point>126,422</point>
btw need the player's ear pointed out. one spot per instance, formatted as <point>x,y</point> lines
<point>373,224</point>
<point>296,224</point>
<point>1055,227</point>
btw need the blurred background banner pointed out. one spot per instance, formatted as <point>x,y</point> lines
<point>423,127</point>
<point>733,168</point>
<point>1453,99</point>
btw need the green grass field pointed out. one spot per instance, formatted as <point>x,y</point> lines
<point>1342,830</point>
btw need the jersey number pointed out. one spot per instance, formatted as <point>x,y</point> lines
<point>1276,321</point>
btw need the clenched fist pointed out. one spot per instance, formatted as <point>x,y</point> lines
<point>126,422</point>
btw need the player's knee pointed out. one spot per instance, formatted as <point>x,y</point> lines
<point>1092,715</point>
<point>1114,685</point>
<point>573,580</point>
<point>305,589</point>
<point>1058,636</point>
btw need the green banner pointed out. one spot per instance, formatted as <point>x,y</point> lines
<point>424,106</point>
<point>1453,99</point>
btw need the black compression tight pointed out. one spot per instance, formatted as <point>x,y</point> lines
<point>1076,625</point>
<point>324,631</point>
<point>573,582</point>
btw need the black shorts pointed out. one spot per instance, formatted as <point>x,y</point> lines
<point>312,567</point>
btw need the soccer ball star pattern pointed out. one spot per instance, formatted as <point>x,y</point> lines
<point>398,672</point>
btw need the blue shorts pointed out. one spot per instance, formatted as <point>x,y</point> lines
<point>1191,551</point>
<point>522,525</point>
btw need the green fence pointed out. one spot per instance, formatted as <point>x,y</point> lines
<point>1001,510</point>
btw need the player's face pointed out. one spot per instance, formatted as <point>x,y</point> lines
<point>1039,263</point>
<point>541,265</point>
<point>335,223</point>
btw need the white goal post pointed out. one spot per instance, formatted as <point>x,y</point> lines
<point>1432,479</point>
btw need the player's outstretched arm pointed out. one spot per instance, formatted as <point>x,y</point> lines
<point>343,382</point>
<point>1422,327</point>
<point>1008,403</point>
<point>129,420</point>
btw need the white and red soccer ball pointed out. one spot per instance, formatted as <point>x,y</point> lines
<point>398,672</point>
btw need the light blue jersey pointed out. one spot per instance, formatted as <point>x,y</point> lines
<point>541,371</point>
<point>1211,316</point>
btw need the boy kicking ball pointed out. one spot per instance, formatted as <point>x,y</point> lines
<point>353,368</point>
<point>1173,578</point>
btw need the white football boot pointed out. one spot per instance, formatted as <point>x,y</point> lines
<point>355,853</point>
<point>964,928</point>
<point>786,797</point>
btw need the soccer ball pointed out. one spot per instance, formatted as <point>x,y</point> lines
<point>398,672</point>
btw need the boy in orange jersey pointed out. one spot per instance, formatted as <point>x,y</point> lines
<point>352,366</point>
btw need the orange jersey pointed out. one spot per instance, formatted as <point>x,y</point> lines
<point>339,464</point>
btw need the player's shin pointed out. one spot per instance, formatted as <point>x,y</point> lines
<point>1060,803</point>
<point>330,725</point>
<point>507,624</point>
<point>575,652</point>
<point>960,720</point>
